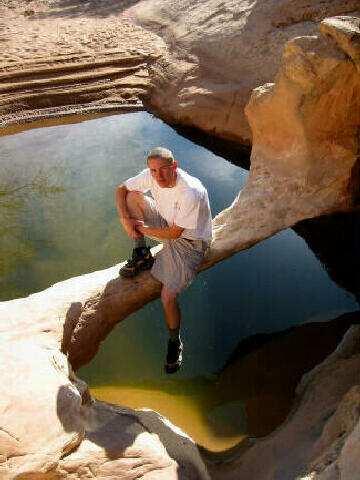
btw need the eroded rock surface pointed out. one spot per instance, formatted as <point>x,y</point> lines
<point>320,433</point>
<point>60,59</point>
<point>219,51</point>
<point>51,428</point>
<point>305,154</point>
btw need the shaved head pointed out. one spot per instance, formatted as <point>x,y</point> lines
<point>161,152</point>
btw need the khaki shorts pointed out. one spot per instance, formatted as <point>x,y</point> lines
<point>176,265</point>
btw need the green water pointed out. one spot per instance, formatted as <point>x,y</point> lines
<point>58,219</point>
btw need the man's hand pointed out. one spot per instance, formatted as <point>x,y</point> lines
<point>130,225</point>
<point>165,232</point>
<point>127,222</point>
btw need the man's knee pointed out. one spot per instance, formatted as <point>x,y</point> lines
<point>168,297</point>
<point>135,202</point>
<point>134,198</point>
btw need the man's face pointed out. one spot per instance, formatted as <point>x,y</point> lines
<point>163,172</point>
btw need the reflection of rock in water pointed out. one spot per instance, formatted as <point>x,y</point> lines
<point>228,419</point>
<point>233,152</point>
<point>335,240</point>
<point>264,370</point>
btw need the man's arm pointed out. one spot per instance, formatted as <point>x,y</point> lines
<point>135,228</point>
<point>166,232</point>
<point>127,222</point>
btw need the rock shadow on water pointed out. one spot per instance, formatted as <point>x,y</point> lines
<point>236,153</point>
<point>335,241</point>
<point>250,397</point>
<point>263,371</point>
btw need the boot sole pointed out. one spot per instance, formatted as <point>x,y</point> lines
<point>142,267</point>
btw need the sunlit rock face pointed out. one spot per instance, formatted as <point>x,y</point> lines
<point>305,153</point>
<point>50,426</point>
<point>220,50</point>
<point>32,436</point>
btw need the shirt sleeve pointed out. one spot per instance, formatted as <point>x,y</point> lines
<point>140,183</point>
<point>187,212</point>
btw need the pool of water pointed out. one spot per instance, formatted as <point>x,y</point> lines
<point>58,219</point>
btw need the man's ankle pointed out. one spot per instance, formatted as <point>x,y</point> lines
<point>173,359</point>
<point>174,334</point>
<point>139,242</point>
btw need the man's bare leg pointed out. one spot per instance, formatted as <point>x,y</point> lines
<point>141,256</point>
<point>173,318</point>
<point>135,203</point>
<point>171,308</point>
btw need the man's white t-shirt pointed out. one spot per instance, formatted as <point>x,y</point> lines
<point>185,205</point>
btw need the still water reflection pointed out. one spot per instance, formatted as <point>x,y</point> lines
<point>58,219</point>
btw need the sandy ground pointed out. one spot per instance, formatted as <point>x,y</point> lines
<point>59,53</point>
<point>39,28</point>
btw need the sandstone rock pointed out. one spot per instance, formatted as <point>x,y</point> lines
<point>117,445</point>
<point>220,50</point>
<point>346,33</point>
<point>33,437</point>
<point>304,160</point>
<point>55,65</point>
<point>296,11</point>
<point>320,437</point>
<point>50,427</point>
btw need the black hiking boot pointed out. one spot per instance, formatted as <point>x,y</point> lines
<point>174,356</point>
<point>141,260</point>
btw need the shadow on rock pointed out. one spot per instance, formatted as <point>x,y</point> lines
<point>113,431</point>
<point>88,324</point>
<point>71,319</point>
<point>122,443</point>
<point>92,8</point>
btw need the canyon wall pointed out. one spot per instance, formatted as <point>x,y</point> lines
<point>219,51</point>
<point>305,153</point>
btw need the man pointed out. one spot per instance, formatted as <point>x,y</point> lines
<point>179,216</point>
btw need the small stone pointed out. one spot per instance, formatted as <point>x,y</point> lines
<point>28,13</point>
